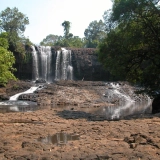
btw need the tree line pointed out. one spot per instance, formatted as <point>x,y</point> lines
<point>93,36</point>
<point>127,41</point>
<point>131,49</point>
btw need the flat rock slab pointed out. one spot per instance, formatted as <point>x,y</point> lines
<point>124,139</point>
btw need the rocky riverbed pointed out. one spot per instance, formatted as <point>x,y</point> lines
<point>68,108</point>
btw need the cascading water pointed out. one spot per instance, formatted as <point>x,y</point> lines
<point>44,61</point>
<point>52,66</point>
<point>127,103</point>
<point>35,63</point>
<point>15,97</point>
<point>64,70</point>
<point>58,66</point>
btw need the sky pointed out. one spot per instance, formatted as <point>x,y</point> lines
<point>46,16</point>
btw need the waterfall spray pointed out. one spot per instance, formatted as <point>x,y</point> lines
<point>43,67</point>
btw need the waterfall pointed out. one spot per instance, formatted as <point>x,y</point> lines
<point>66,65</point>
<point>35,63</point>
<point>51,66</point>
<point>58,66</point>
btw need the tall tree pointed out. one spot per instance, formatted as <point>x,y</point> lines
<point>13,22</point>
<point>94,33</point>
<point>132,47</point>
<point>67,26</point>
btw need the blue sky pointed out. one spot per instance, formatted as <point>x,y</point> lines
<point>46,16</point>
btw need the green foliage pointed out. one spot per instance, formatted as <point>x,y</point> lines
<point>50,40</point>
<point>132,46</point>
<point>6,61</point>
<point>14,23</point>
<point>68,40</point>
<point>74,41</point>
<point>3,40</point>
<point>94,34</point>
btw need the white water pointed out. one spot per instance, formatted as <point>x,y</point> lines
<point>64,69</point>
<point>44,69</point>
<point>116,91</point>
<point>58,66</point>
<point>35,63</point>
<point>15,97</point>
<point>132,107</point>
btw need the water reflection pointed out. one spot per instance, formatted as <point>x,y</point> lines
<point>18,106</point>
<point>122,111</point>
<point>59,138</point>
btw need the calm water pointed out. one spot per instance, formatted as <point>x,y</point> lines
<point>59,138</point>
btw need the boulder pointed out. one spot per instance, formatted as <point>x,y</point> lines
<point>40,81</point>
<point>156,105</point>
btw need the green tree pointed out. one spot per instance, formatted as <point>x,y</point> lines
<point>6,61</point>
<point>50,40</point>
<point>131,48</point>
<point>69,40</point>
<point>74,41</point>
<point>14,23</point>
<point>94,33</point>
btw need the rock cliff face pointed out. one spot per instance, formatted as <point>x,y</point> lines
<point>85,65</point>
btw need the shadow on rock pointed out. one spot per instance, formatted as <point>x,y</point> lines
<point>70,114</point>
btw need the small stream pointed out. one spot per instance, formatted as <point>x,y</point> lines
<point>15,105</point>
<point>128,104</point>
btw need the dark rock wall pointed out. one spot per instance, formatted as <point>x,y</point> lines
<point>84,60</point>
<point>86,65</point>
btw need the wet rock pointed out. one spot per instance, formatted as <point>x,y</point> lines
<point>28,97</point>
<point>40,81</point>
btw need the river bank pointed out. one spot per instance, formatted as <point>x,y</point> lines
<point>24,135</point>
